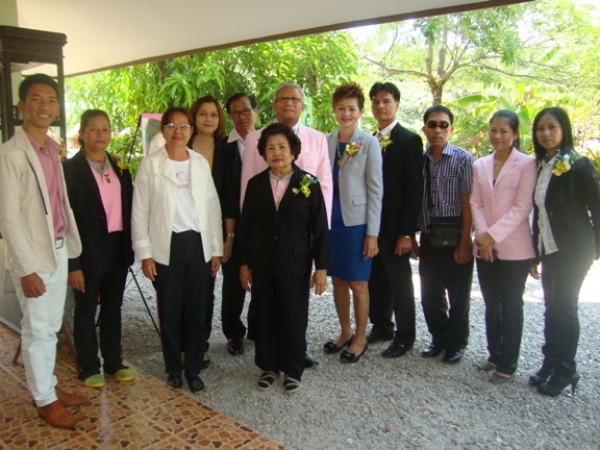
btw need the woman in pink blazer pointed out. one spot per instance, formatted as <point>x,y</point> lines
<point>501,202</point>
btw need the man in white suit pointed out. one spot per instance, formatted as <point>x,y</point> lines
<point>40,234</point>
<point>288,104</point>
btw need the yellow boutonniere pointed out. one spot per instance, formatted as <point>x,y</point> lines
<point>62,151</point>
<point>122,165</point>
<point>305,183</point>
<point>564,162</point>
<point>384,140</point>
<point>351,149</point>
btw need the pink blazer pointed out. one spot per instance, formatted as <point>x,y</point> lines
<point>314,159</point>
<point>502,208</point>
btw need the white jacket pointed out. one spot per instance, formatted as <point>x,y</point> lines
<point>154,202</point>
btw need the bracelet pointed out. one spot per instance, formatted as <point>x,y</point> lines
<point>231,235</point>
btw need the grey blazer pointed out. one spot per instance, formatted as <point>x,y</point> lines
<point>360,181</point>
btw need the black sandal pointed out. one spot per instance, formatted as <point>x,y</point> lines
<point>290,384</point>
<point>266,380</point>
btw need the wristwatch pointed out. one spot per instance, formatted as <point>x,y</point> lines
<point>231,235</point>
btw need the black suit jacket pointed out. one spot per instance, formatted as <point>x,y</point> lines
<point>402,186</point>
<point>90,216</point>
<point>284,241</point>
<point>226,173</point>
<point>573,206</point>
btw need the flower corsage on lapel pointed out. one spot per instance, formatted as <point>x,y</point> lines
<point>304,185</point>
<point>351,149</point>
<point>122,165</point>
<point>564,163</point>
<point>384,140</point>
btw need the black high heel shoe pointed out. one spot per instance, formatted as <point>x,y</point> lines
<point>556,383</point>
<point>540,377</point>
<point>347,357</point>
<point>331,348</point>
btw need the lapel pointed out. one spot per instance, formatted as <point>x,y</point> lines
<point>288,197</point>
<point>507,167</point>
<point>84,169</point>
<point>22,142</point>
<point>333,142</point>
<point>164,168</point>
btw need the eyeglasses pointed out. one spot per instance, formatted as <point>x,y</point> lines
<point>241,112</point>
<point>294,100</point>
<point>182,126</point>
<point>433,124</point>
<point>100,130</point>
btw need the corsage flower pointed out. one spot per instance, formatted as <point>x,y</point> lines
<point>384,140</point>
<point>564,162</point>
<point>62,151</point>
<point>122,165</point>
<point>304,186</point>
<point>353,148</point>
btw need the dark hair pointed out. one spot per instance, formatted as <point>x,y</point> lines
<point>38,78</point>
<point>563,119</point>
<point>388,87</point>
<point>279,128</point>
<point>438,109</point>
<point>220,131</point>
<point>239,96</point>
<point>167,116</point>
<point>349,90</point>
<point>85,120</point>
<point>513,123</point>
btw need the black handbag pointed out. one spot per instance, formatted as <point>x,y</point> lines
<point>445,231</point>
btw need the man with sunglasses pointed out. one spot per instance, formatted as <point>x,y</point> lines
<point>445,257</point>
<point>390,285</point>
<point>242,111</point>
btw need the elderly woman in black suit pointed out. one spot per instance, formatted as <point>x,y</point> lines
<point>100,192</point>
<point>225,167</point>
<point>566,235</point>
<point>283,228</point>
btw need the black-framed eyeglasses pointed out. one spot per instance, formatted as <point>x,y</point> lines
<point>182,126</point>
<point>294,100</point>
<point>242,112</point>
<point>433,124</point>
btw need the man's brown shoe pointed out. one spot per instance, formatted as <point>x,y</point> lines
<point>57,415</point>
<point>70,399</point>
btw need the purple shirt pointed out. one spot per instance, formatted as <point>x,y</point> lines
<point>54,182</point>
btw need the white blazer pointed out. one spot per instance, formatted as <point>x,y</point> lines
<point>26,220</point>
<point>154,202</point>
<point>502,208</point>
<point>360,181</point>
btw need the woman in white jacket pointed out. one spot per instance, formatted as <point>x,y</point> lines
<point>176,234</point>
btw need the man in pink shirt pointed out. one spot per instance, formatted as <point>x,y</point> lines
<point>288,104</point>
<point>40,235</point>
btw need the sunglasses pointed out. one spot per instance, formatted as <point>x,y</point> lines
<point>433,124</point>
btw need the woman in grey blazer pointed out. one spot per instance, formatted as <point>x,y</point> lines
<point>357,178</point>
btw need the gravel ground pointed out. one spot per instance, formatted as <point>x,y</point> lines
<point>404,403</point>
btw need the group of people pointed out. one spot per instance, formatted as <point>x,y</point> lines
<point>279,210</point>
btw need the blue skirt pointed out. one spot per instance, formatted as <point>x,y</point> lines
<point>347,261</point>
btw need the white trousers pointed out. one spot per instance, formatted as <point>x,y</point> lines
<point>42,320</point>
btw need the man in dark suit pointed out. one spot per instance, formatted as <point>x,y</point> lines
<point>390,286</point>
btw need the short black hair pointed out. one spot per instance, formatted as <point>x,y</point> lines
<point>38,78</point>
<point>388,87</point>
<point>279,128</point>
<point>238,96</point>
<point>565,123</point>
<point>438,109</point>
<point>85,120</point>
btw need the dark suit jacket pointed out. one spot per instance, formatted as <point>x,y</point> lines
<point>283,241</point>
<point>573,205</point>
<point>90,216</point>
<point>226,172</point>
<point>402,185</point>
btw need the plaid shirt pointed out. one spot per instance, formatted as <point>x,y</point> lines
<point>451,178</point>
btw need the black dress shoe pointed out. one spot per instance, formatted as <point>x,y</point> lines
<point>376,335</point>
<point>331,348</point>
<point>175,381</point>
<point>395,350</point>
<point>556,383</point>
<point>432,351</point>
<point>540,377</point>
<point>235,346</point>
<point>347,357</point>
<point>196,384</point>
<point>452,356</point>
<point>309,361</point>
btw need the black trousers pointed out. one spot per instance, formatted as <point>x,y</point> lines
<point>502,284</point>
<point>562,276</point>
<point>447,317</point>
<point>391,291</point>
<point>183,293</point>
<point>281,321</point>
<point>108,288</point>
<point>233,297</point>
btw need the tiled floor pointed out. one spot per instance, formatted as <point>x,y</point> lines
<point>143,413</point>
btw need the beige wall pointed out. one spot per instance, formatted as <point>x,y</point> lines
<point>8,13</point>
